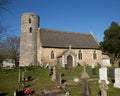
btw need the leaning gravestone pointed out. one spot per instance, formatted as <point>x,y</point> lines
<point>103,75</point>
<point>117,78</point>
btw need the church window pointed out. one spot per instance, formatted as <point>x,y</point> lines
<point>94,55</point>
<point>30,30</point>
<point>80,55</point>
<point>52,55</point>
<point>29,20</point>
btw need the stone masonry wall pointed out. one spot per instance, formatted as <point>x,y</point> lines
<point>87,55</point>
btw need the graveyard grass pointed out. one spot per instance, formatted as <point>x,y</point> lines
<point>41,81</point>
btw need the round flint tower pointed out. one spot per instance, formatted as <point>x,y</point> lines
<point>28,39</point>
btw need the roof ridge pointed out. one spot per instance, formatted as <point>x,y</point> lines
<point>65,32</point>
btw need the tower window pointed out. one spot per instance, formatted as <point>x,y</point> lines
<point>30,30</point>
<point>29,20</point>
<point>52,55</point>
<point>94,55</point>
<point>80,55</point>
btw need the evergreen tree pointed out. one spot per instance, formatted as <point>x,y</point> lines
<point>111,43</point>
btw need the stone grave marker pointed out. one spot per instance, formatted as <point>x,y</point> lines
<point>58,77</point>
<point>103,75</point>
<point>49,70</point>
<point>85,88</point>
<point>103,88</point>
<point>117,78</point>
<point>54,74</point>
<point>94,71</point>
<point>111,73</point>
<point>14,94</point>
<point>23,76</point>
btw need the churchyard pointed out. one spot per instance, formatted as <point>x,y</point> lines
<point>41,79</point>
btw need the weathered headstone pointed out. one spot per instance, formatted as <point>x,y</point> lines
<point>117,78</point>
<point>22,77</point>
<point>14,94</point>
<point>85,88</point>
<point>49,70</point>
<point>58,77</point>
<point>103,75</point>
<point>54,74</point>
<point>103,88</point>
<point>94,71</point>
<point>111,73</point>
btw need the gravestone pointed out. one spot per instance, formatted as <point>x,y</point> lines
<point>103,75</point>
<point>94,71</point>
<point>50,70</point>
<point>103,88</point>
<point>14,94</point>
<point>85,88</point>
<point>85,85</point>
<point>58,77</point>
<point>111,73</point>
<point>117,78</point>
<point>23,76</point>
<point>54,74</point>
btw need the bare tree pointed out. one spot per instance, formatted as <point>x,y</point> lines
<point>3,7</point>
<point>3,31</point>
<point>10,48</point>
<point>4,3</point>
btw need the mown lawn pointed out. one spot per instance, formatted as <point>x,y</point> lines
<point>41,81</point>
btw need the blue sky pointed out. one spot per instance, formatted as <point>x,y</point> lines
<point>68,15</point>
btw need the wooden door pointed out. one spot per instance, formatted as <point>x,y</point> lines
<point>69,61</point>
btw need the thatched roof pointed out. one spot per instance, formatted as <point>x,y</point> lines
<point>60,39</point>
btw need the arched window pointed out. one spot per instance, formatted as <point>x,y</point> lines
<point>94,55</point>
<point>30,30</point>
<point>29,20</point>
<point>80,55</point>
<point>52,55</point>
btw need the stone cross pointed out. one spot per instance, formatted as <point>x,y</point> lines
<point>69,47</point>
<point>103,87</point>
<point>117,78</point>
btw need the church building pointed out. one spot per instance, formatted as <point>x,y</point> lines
<point>40,46</point>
